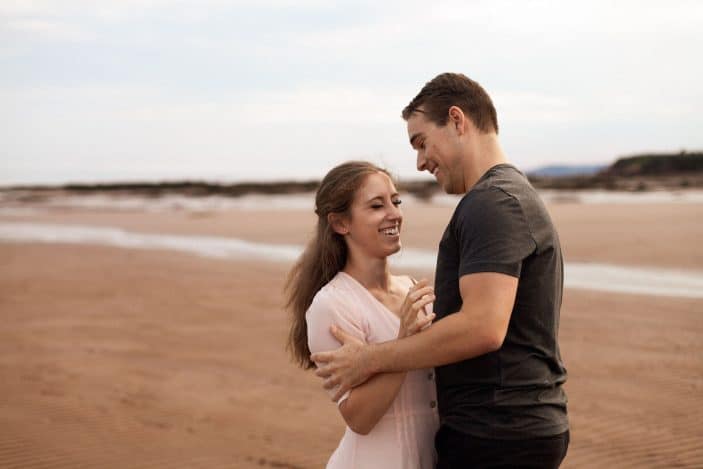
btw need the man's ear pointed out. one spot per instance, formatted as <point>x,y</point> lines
<point>338,223</point>
<point>458,119</point>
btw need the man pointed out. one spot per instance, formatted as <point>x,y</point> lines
<point>498,288</point>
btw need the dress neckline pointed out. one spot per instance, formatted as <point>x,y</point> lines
<point>367,292</point>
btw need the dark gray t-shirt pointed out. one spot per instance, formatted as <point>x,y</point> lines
<point>501,225</point>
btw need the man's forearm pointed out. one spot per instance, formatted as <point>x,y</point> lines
<point>456,337</point>
<point>479,328</point>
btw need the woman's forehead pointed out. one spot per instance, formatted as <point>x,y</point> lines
<point>375,185</point>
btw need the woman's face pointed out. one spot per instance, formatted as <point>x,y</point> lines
<point>375,218</point>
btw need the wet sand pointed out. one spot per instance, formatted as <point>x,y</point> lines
<point>154,359</point>
<point>650,235</point>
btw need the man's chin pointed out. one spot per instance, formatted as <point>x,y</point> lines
<point>446,187</point>
<point>449,189</point>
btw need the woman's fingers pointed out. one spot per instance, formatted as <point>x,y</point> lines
<point>415,295</point>
<point>418,297</point>
<point>425,321</point>
<point>419,318</point>
<point>421,323</point>
<point>420,304</point>
<point>330,383</point>
<point>415,300</point>
<point>424,300</point>
<point>424,283</point>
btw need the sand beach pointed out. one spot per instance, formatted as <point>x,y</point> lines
<point>114,357</point>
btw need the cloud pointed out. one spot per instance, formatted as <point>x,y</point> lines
<point>290,87</point>
<point>49,29</point>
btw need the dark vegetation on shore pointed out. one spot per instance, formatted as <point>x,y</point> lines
<point>634,173</point>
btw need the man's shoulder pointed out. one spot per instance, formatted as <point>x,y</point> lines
<point>505,177</point>
<point>502,182</point>
<point>487,194</point>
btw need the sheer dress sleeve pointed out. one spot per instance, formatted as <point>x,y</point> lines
<point>327,309</point>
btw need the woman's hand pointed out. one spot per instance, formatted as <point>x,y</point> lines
<point>413,316</point>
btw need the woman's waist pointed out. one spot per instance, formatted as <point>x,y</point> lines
<point>408,417</point>
<point>425,407</point>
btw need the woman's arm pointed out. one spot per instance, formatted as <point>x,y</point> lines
<point>370,401</point>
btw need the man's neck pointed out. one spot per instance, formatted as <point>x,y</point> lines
<point>487,154</point>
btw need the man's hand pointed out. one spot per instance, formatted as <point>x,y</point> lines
<point>345,367</point>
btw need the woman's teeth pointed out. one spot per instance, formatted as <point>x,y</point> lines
<point>390,231</point>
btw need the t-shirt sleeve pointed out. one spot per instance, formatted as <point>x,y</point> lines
<point>324,312</point>
<point>493,234</point>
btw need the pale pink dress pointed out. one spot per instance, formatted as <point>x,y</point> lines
<point>404,437</point>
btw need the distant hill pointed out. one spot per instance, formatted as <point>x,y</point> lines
<point>657,164</point>
<point>648,164</point>
<point>633,173</point>
<point>565,170</point>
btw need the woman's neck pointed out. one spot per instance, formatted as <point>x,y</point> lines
<point>374,274</point>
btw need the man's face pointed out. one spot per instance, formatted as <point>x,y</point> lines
<point>438,151</point>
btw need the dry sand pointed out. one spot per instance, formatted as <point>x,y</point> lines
<point>152,359</point>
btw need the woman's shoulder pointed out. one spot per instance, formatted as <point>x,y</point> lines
<point>334,304</point>
<point>329,291</point>
<point>332,295</point>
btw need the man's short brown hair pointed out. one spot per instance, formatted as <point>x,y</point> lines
<point>454,89</point>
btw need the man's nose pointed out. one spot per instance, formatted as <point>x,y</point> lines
<point>421,162</point>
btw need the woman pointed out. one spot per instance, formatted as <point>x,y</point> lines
<point>343,279</point>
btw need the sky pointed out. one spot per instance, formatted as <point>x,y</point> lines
<point>228,91</point>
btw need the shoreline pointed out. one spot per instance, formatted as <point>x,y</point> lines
<point>658,235</point>
<point>677,283</point>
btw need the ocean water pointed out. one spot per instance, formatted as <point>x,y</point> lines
<point>590,276</point>
<point>306,201</point>
<point>597,197</point>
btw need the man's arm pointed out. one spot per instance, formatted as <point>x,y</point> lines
<point>478,328</point>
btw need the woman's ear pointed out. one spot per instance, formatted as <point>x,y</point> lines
<point>338,223</point>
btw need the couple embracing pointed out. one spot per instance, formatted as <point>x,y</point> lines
<point>465,374</point>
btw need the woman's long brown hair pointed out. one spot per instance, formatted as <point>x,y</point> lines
<point>326,253</point>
